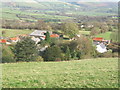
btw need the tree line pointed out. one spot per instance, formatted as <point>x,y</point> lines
<point>27,51</point>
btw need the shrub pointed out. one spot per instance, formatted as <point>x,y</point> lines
<point>39,59</point>
<point>52,53</point>
<point>115,54</point>
<point>55,41</point>
<point>47,39</point>
<point>82,48</point>
<point>67,54</point>
<point>107,54</point>
<point>7,55</point>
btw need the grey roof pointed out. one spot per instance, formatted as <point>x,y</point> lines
<point>38,33</point>
<point>102,45</point>
<point>95,43</point>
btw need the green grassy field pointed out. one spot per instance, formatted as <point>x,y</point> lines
<point>89,73</point>
<point>14,32</point>
<point>85,32</point>
<point>106,35</point>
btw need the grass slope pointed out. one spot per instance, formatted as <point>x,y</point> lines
<point>94,73</point>
<point>14,32</point>
<point>106,35</point>
<point>85,32</point>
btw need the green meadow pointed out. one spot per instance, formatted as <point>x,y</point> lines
<point>106,35</point>
<point>14,32</point>
<point>86,73</point>
<point>84,32</point>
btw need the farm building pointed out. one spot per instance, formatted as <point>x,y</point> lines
<point>98,40</point>
<point>101,48</point>
<point>39,34</point>
<point>15,39</point>
<point>3,41</point>
<point>54,36</point>
<point>101,44</point>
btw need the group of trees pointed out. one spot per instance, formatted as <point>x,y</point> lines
<point>100,27</point>
<point>102,24</point>
<point>77,49</point>
<point>20,24</point>
<point>70,29</point>
<point>25,50</point>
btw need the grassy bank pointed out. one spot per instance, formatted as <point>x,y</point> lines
<point>89,73</point>
<point>14,32</point>
<point>106,35</point>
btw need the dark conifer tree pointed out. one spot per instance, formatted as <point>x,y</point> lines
<point>25,50</point>
<point>67,54</point>
<point>47,39</point>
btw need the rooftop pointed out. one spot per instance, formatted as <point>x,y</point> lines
<point>38,33</point>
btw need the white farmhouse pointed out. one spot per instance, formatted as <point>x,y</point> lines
<point>101,48</point>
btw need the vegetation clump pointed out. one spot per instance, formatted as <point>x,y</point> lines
<point>26,50</point>
<point>53,53</point>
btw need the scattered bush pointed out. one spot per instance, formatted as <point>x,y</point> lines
<point>39,59</point>
<point>82,48</point>
<point>115,54</point>
<point>52,53</point>
<point>7,55</point>
<point>107,54</point>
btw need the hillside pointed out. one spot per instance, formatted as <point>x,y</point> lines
<point>33,10</point>
<point>89,73</point>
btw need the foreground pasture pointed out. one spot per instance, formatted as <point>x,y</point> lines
<point>88,73</point>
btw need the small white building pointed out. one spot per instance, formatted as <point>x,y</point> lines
<point>82,26</point>
<point>101,48</point>
<point>36,39</point>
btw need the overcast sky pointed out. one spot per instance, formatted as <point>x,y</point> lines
<point>62,0</point>
<point>91,0</point>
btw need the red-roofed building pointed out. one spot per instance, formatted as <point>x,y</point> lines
<point>3,41</point>
<point>54,36</point>
<point>15,39</point>
<point>98,39</point>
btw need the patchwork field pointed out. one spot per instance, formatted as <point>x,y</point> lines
<point>59,10</point>
<point>88,73</point>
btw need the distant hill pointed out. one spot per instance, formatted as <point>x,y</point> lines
<point>57,10</point>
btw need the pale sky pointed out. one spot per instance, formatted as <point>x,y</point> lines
<point>61,0</point>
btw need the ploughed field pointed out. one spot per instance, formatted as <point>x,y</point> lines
<point>86,73</point>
